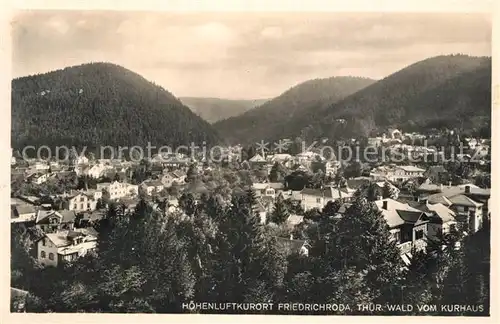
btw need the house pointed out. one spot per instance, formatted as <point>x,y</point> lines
<point>41,166</point>
<point>318,198</point>
<point>404,173</point>
<point>291,246</point>
<point>79,201</point>
<point>21,213</point>
<point>81,160</point>
<point>117,189</point>
<point>175,176</point>
<point>65,246</point>
<point>38,177</point>
<point>283,159</point>
<point>50,221</point>
<point>442,220</point>
<point>98,170</point>
<point>152,186</point>
<point>407,225</point>
<point>257,160</point>
<point>294,220</point>
<point>331,167</point>
<point>469,202</point>
<point>264,190</point>
<point>396,173</point>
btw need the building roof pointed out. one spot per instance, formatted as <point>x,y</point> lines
<point>260,185</point>
<point>24,208</point>
<point>410,168</point>
<point>446,214</point>
<point>257,158</point>
<point>463,200</point>
<point>43,215</point>
<point>328,192</point>
<point>68,216</point>
<point>411,217</point>
<point>152,183</point>
<point>276,185</point>
<point>391,214</point>
<point>63,238</point>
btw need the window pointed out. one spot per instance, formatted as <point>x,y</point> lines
<point>88,205</point>
<point>75,206</point>
<point>466,208</point>
<point>453,227</point>
<point>43,242</point>
<point>81,206</point>
<point>82,199</point>
<point>318,200</point>
<point>51,256</point>
<point>419,234</point>
<point>397,236</point>
<point>42,254</point>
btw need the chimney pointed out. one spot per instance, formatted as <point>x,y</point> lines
<point>291,237</point>
<point>441,187</point>
<point>467,189</point>
<point>384,204</point>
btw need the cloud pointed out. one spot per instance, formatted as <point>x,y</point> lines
<point>238,55</point>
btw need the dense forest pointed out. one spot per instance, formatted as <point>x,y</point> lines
<point>151,261</point>
<point>276,118</point>
<point>441,92</point>
<point>215,109</point>
<point>100,104</point>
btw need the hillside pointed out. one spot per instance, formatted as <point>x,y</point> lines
<point>215,109</point>
<point>100,104</point>
<point>274,119</point>
<point>446,91</point>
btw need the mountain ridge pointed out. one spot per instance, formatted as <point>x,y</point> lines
<point>98,104</point>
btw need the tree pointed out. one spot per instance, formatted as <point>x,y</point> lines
<point>363,242</point>
<point>353,170</point>
<point>280,212</point>
<point>331,208</point>
<point>192,173</point>
<point>388,191</point>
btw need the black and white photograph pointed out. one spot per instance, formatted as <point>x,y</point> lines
<point>251,163</point>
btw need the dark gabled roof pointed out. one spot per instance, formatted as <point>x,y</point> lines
<point>411,217</point>
<point>23,209</point>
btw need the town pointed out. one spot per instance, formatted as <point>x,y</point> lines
<point>57,206</point>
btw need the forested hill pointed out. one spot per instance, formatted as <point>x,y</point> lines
<point>215,109</point>
<point>100,104</point>
<point>442,92</point>
<point>276,118</point>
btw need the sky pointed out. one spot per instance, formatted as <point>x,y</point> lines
<point>242,55</point>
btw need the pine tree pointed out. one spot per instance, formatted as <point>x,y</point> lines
<point>363,242</point>
<point>280,212</point>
